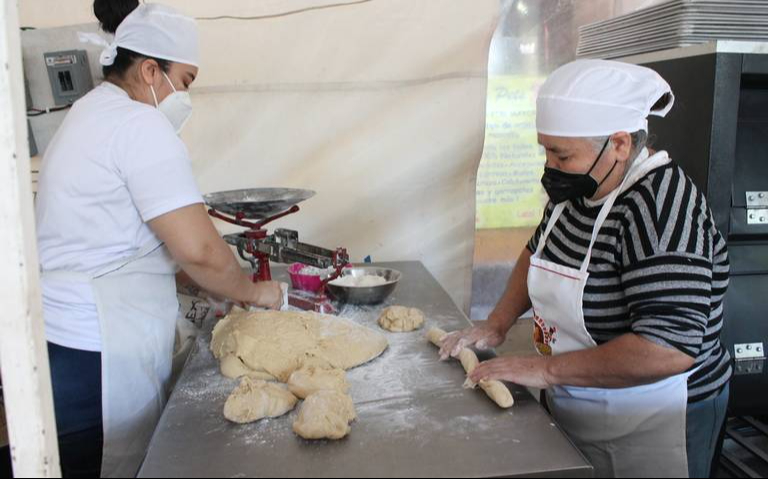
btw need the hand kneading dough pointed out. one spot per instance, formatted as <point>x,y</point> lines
<point>400,319</point>
<point>275,344</point>
<point>308,381</point>
<point>325,415</point>
<point>496,390</point>
<point>256,400</point>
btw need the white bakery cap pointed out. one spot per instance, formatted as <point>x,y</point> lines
<point>595,98</point>
<point>154,30</point>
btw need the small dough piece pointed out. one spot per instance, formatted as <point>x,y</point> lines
<point>253,401</point>
<point>325,415</point>
<point>496,390</point>
<point>399,319</point>
<point>309,380</point>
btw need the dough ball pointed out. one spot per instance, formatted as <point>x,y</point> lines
<point>399,319</point>
<point>325,415</point>
<point>308,381</point>
<point>253,401</point>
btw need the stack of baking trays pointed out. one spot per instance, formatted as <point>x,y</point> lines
<point>675,24</point>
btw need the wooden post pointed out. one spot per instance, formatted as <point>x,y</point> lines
<point>23,352</point>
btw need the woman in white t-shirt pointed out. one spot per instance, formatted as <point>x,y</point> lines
<point>118,212</point>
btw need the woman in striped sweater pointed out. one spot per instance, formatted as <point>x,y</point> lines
<point>626,277</point>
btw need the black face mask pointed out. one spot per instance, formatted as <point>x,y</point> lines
<point>562,187</point>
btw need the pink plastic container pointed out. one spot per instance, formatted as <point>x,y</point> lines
<point>304,282</point>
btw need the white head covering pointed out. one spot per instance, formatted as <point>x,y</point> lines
<point>154,30</point>
<point>595,98</point>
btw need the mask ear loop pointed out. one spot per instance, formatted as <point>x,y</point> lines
<point>154,96</point>
<point>594,165</point>
<point>170,82</point>
<point>609,174</point>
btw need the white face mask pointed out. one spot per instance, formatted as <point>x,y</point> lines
<point>177,106</point>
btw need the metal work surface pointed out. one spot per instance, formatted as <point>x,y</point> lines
<point>415,420</point>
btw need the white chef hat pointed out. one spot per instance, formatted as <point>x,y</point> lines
<point>154,30</point>
<point>594,98</point>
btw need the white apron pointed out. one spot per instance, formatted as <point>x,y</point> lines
<point>137,307</point>
<point>634,432</point>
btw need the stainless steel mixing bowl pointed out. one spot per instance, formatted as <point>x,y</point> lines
<point>366,295</point>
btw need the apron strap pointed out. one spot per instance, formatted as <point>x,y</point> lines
<point>607,207</point>
<point>78,277</point>
<point>641,166</point>
<point>556,213</point>
<point>143,252</point>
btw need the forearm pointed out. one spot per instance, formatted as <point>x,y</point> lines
<point>515,302</point>
<point>202,254</point>
<point>220,275</point>
<point>625,362</point>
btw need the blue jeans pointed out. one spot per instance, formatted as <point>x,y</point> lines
<point>705,420</point>
<point>76,380</point>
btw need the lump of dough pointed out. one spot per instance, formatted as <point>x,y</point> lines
<point>325,415</point>
<point>253,400</point>
<point>279,343</point>
<point>400,319</point>
<point>233,367</point>
<point>310,380</point>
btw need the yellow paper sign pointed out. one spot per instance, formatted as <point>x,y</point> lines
<point>509,192</point>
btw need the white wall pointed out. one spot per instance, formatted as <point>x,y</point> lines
<point>379,106</point>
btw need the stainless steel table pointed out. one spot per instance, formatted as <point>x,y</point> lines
<point>415,420</point>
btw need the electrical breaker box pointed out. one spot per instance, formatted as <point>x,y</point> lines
<point>69,74</point>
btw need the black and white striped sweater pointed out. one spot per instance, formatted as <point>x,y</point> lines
<point>659,269</point>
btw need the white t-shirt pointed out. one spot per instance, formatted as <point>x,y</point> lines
<point>114,165</point>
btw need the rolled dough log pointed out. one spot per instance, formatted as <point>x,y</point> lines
<point>325,415</point>
<point>399,319</point>
<point>253,400</point>
<point>309,380</point>
<point>436,336</point>
<point>278,343</point>
<point>496,390</point>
